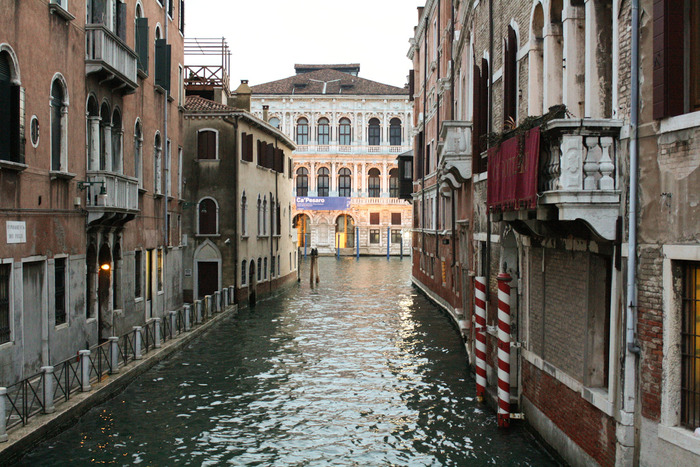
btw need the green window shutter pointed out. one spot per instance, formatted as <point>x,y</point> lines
<point>142,43</point>
<point>163,64</point>
<point>5,117</point>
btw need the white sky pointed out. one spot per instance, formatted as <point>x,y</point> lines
<point>267,37</point>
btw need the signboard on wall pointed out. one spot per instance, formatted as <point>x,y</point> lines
<point>311,203</point>
<point>16,231</point>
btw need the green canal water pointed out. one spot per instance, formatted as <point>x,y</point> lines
<point>361,370</point>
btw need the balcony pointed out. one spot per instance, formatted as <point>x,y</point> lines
<point>120,202</point>
<point>110,58</point>
<point>576,178</point>
<point>350,149</point>
<point>455,154</point>
<point>379,202</point>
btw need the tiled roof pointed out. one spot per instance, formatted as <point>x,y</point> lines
<point>352,68</point>
<point>200,104</point>
<point>327,81</point>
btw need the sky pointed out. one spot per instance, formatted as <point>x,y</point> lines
<point>267,37</point>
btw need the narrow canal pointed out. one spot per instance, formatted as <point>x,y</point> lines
<point>361,370</point>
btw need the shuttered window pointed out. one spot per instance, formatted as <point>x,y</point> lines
<point>60,290</point>
<point>510,74</point>
<point>206,145</point>
<point>11,128</point>
<point>374,218</point>
<point>395,218</point>
<point>163,61</point>
<point>142,44</point>
<point>5,303</point>
<point>207,217</point>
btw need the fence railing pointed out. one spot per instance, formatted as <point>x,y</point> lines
<point>56,384</point>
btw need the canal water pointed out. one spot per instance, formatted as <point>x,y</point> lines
<point>360,370</point>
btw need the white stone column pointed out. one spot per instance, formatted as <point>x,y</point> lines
<point>553,61</point>
<point>84,370</point>
<point>312,179</point>
<point>48,389</point>
<point>334,178</point>
<point>3,415</point>
<point>592,107</point>
<point>356,178</point>
<point>94,143</point>
<point>363,176</point>
<point>137,343</point>
<point>384,192</point>
<point>107,131</point>
<point>574,59</point>
<point>535,73</point>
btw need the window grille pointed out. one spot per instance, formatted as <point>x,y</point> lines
<point>690,347</point>
<point>60,290</point>
<point>5,303</point>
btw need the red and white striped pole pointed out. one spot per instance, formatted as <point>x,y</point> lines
<point>504,350</point>
<point>480,330</point>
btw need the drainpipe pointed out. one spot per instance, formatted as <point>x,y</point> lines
<point>627,437</point>
<point>490,129</point>
<point>425,128</point>
<point>452,63</point>
<point>437,127</point>
<point>167,173</point>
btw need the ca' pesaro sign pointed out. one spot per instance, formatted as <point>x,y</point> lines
<point>312,203</point>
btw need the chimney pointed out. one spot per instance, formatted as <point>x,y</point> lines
<point>266,110</point>
<point>243,96</point>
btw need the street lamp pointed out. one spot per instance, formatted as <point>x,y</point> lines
<point>102,196</point>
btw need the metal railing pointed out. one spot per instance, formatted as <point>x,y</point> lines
<point>38,393</point>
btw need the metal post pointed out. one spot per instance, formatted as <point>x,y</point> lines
<point>137,343</point>
<point>388,241</point>
<point>504,350</point>
<point>357,242</point>
<point>480,331</point>
<point>48,389</point>
<point>3,416</point>
<point>114,352</point>
<point>157,333</point>
<point>401,247</point>
<point>84,370</point>
<point>305,242</point>
<point>337,245</point>
<point>173,323</point>
<point>187,317</point>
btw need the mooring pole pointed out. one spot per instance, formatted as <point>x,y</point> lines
<point>480,331</point>
<point>504,350</point>
<point>401,246</point>
<point>357,242</point>
<point>388,241</point>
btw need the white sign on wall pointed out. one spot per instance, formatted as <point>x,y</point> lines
<point>16,232</point>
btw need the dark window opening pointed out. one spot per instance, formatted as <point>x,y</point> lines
<point>344,183</point>
<point>374,188</point>
<point>690,346</point>
<point>302,182</point>
<point>323,131</point>
<point>323,182</point>
<point>374,132</point>
<point>302,131</point>
<point>60,290</point>
<point>207,217</point>
<point>345,132</point>
<point>4,303</point>
<point>395,132</point>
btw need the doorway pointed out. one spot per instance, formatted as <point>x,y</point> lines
<point>344,231</point>
<point>207,278</point>
<point>252,284</point>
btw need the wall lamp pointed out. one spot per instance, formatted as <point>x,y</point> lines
<point>102,196</point>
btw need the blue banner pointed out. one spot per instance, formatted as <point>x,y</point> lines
<point>312,203</point>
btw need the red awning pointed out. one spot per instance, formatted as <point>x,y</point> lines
<point>512,172</point>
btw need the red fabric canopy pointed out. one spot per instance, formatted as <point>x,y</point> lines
<point>512,172</point>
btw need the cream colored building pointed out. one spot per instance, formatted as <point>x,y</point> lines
<point>348,131</point>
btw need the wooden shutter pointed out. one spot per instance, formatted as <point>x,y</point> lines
<point>244,147</point>
<point>510,78</point>
<point>411,84</point>
<point>163,51</point>
<point>374,218</point>
<point>270,156</point>
<point>5,117</point>
<point>142,43</point>
<point>250,148</point>
<point>182,16</point>
<point>206,145</point>
<point>668,58</point>
<point>476,117</point>
<point>396,218</point>
<point>16,126</point>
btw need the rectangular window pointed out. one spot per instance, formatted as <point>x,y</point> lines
<point>395,218</point>
<point>141,44</point>
<point>60,290</point>
<point>159,272</point>
<point>396,237</point>
<point>690,347</point>
<point>374,218</point>
<point>182,16</point>
<point>5,303</point>
<point>206,144</point>
<point>138,280</point>
<point>374,236</point>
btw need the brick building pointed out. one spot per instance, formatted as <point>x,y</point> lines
<point>90,117</point>
<point>526,154</point>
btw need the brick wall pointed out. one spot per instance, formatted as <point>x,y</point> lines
<point>590,429</point>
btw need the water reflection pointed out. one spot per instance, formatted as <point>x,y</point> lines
<point>360,370</point>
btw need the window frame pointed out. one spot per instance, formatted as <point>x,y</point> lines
<point>59,162</point>
<point>374,183</point>
<point>323,182</point>
<point>395,132</point>
<point>344,182</point>
<point>345,132</point>
<point>374,132</point>
<point>375,237</point>
<point>304,185</point>
<point>302,137</point>
<point>202,131</point>
<point>214,219</point>
<point>324,131</point>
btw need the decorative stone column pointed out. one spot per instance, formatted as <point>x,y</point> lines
<point>138,337</point>
<point>48,389</point>
<point>574,60</point>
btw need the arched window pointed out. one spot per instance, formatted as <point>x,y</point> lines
<point>375,132</point>
<point>344,182</point>
<point>208,217</point>
<point>324,131</point>
<point>275,122</point>
<point>11,148</point>
<point>59,120</point>
<point>510,80</point>
<point>259,219</point>
<point>157,156</point>
<point>395,132</point>
<point>259,269</point>
<point>302,182</point>
<point>207,144</point>
<point>243,271</point>
<point>93,133</point>
<point>394,183</point>
<point>374,183</point>
<point>264,216</point>
<point>265,265</point>
<point>105,137</point>
<point>345,132</point>
<point>302,131</point>
<point>138,153</point>
<point>244,215</point>
<point>323,181</point>
<point>117,138</point>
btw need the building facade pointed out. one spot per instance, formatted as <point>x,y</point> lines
<point>556,142</point>
<point>238,172</point>
<point>349,132</point>
<point>90,121</point>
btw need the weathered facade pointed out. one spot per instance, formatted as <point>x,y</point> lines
<point>348,131</point>
<point>90,122</point>
<point>527,129</point>
<point>238,172</point>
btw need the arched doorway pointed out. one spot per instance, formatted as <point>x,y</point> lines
<point>344,231</point>
<point>302,224</point>
<point>104,295</point>
<point>252,284</point>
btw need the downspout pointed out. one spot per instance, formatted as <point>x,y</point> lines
<point>236,208</point>
<point>489,129</point>
<point>436,213</point>
<point>627,439</point>
<point>452,63</point>
<point>167,173</point>
<point>425,127</point>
